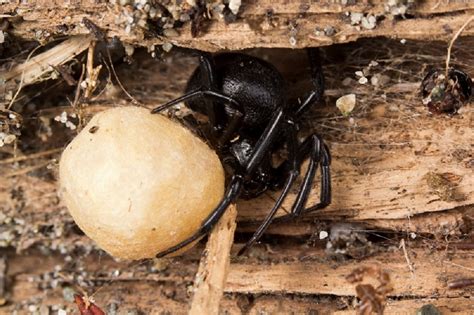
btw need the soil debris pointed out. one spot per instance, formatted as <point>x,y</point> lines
<point>372,299</point>
<point>446,94</point>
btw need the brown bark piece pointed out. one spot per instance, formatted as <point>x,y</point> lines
<point>39,66</point>
<point>394,163</point>
<point>290,24</point>
<point>431,271</point>
<point>318,278</point>
<point>212,274</point>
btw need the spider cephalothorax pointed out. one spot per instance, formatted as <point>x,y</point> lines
<point>250,119</point>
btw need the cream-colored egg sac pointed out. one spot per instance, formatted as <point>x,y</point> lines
<point>138,183</point>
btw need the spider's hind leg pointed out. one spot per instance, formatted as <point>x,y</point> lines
<point>318,153</point>
<point>314,148</point>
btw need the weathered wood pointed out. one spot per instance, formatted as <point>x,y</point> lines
<point>394,163</point>
<point>431,271</point>
<point>462,306</point>
<point>433,20</point>
<point>317,279</point>
<point>438,223</point>
<point>212,273</point>
<point>32,70</point>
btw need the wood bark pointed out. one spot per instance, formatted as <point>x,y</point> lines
<point>298,271</point>
<point>214,266</point>
<point>255,27</point>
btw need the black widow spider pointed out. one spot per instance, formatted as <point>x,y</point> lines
<point>250,119</point>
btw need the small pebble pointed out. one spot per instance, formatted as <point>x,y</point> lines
<point>373,63</point>
<point>68,294</point>
<point>32,308</point>
<point>356,18</point>
<point>329,31</point>
<point>323,235</point>
<point>170,32</point>
<point>167,47</point>
<point>363,80</point>
<point>129,49</point>
<point>292,41</point>
<point>369,22</point>
<point>346,104</point>
<point>234,6</point>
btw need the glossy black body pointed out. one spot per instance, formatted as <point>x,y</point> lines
<point>254,84</point>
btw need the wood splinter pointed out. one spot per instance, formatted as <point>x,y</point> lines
<point>212,273</point>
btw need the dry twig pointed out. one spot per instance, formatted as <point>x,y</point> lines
<point>448,57</point>
<point>212,274</point>
<point>405,253</point>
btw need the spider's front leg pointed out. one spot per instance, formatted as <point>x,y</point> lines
<point>217,106</point>
<point>231,194</point>
<point>235,186</point>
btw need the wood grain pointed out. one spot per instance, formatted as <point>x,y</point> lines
<point>301,285</point>
<point>394,163</point>
<point>212,273</point>
<point>314,277</point>
<point>433,20</point>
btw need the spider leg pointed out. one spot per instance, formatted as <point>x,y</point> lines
<point>208,88</point>
<point>234,123</point>
<point>230,196</point>
<point>293,174</point>
<point>235,185</point>
<point>193,95</point>
<point>216,113</point>
<point>208,76</point>
<point>326,192</point>
<point>317,78</point>
<point>319,155</point>
<point>269,218</point>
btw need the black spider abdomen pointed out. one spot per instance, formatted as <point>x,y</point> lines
<point>256,85</point>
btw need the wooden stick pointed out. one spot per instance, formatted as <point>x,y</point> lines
<point>212,274</point>
<point>448,57</point>
<point>37,67</point>
<point>3,276</point>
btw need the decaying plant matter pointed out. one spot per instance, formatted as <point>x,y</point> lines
<point>372,299</point>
